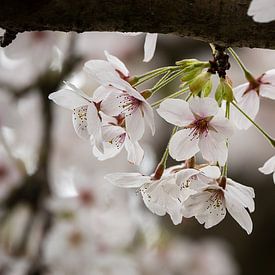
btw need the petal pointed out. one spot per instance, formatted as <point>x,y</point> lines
<point>176,111</point>
<point>80,122</point>
<point>268,167</point>
<point>238,212</point>
<point>109,151</point>
<point>134,150</point>
<point>117,64</point>
<point>149,116</point>
<point>135,125</point>
<point>263,11</point>
<point>109,132</point>
<point>267,90</point>
<point>68,99</point>
<point>239,91</point>
<point>212,172</point>
<point>150,46</point>
<point>102,92</point>
<point>129,180</point>
<point>222,125</point>
<point>111,105</point>
<point>204,107</point>
<point>249,103</point>
<point>182,146</point>
<point>184,175</point>
<point>94,126</point>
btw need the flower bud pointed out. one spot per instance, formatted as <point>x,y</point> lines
<point>224,91</point>
<point>198,83</point>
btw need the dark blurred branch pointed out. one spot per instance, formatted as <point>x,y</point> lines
<point>222,22</point>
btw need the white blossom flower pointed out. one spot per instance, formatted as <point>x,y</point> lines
<point>86,120</point>
<point>115,138</point>
<point>205,129</point>
<point>269,167</point>
<point>164,195</point>
<point>131,105</point>
<point>248,95</point>
<point>263,11</point>
<point>121,98</point>
<point>214,197</point>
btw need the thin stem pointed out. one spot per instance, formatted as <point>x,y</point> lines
<point>227,115</point>
<point>168,80</point>
<point>152,74</point>
<point>166,152</point>
<point>176,94</point>
<point>265,134</point>
<point>247,73</point>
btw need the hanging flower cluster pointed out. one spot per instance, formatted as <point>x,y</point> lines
<point>118,112</point>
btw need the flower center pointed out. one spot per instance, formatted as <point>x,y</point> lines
<point>199,126</point>
<point>128,104</point>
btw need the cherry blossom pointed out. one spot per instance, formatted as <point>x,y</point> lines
<point>263,11</point>
<point>165,194</point>
<point>213,198</point>
<point>121,98</point>
<point>269,167</point>
<point>115,138</point>
<point>86,120</point>
<point>248,95</point>
<point>204,126</point>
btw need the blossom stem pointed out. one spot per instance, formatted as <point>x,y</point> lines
<point>152,74</point>
<point>265,134</point>
<point>166,152</point>
<point>227,115</point>
<point>247,73</point>
<point>176,94</point>
<point>167,81</point>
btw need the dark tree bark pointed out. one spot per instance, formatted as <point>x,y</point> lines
<point>224,22</point>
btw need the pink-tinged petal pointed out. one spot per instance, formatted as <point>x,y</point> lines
<point>268,167</point>
<point>212,172</point>
<point>176,111</point>
<point>239,91</point>
<point>112,105</point>
<point>263,11</point>
<point>267,90</point>
<point>104,73</point>
<point>135,125</point>
<point>204,107</point>
<point>249,191</point>
<point>249,103</point>
<point>183,146</point>
<point>128,180</point>
<point>134,150</point>
<point>214,213</point>
<point>76,90</point>
<point>150,46</point>
<point>149,116</point>
<point>117,64</point>
<point>68,99</point>
<point>109,151</point>
<point>238,212</point>
<point>102,92</point>
<point>213,148</point>
<point>222,125</point>
<point>269,76</point>
<point>242,197</point>
<point>94,126</point>
<point>109,132</point>
<point>184,175</point>
<point>196,204</point>
<point>132,92</point>
<point>80,122</point>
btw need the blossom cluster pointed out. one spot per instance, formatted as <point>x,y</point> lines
<point>115,115</point>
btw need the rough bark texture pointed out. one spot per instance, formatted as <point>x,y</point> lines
<point>221,21</point>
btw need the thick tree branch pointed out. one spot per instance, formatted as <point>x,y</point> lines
<point>223,22</point>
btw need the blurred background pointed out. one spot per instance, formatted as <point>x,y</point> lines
<point>58,215</point>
